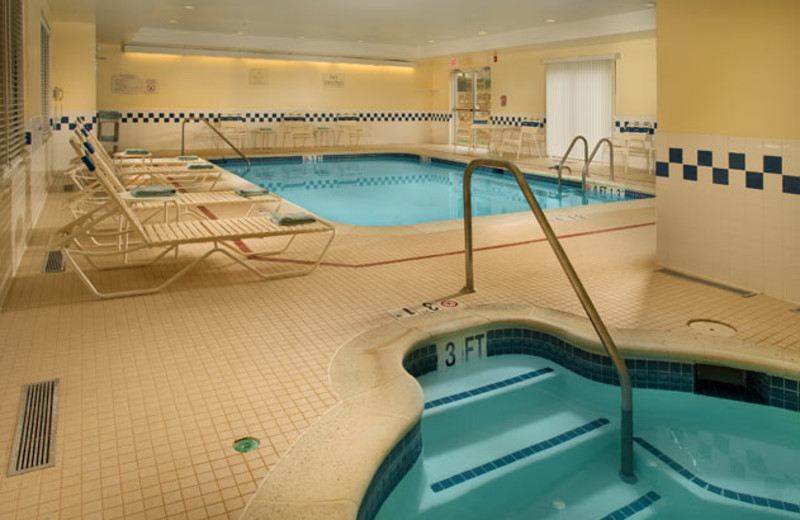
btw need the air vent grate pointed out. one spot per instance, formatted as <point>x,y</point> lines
<point>54,262</point>
<point>34,438</point>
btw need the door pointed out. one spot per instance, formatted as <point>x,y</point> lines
<point>472,101</point>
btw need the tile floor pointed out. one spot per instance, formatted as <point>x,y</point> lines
<point>156,389</point>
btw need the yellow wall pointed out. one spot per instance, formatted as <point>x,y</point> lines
<point>519,74</point>
<point>729,67</point>
<point>223,83</point>
<point>73,64</point>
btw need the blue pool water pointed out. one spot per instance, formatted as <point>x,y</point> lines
<point>395,190</point>
<point>521,437</point>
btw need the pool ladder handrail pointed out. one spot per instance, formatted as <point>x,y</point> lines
<point>585,172</point>
<point>215,130</point>
<point>626,463</point>
<point>569,149</point>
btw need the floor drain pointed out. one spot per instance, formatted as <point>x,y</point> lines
<point>246,444</point>
<point>712,328</point>
<point>54,262</point>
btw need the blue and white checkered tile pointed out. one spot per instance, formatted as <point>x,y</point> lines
<point>636,124</point>
<point>745,165</point>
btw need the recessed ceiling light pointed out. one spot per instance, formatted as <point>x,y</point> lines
<point>301,37</point>
<point>188,7</point>
<point>240,33</point>
<point>431,41</point>
<point>550,20</point>
<point>172,21</point>
<point>650,4</point>
<point>481,33</point>
<point>359,41</point>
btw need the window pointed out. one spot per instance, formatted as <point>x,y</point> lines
<point>580,101</point>
<point>46,78</point>
<point>12,101</point>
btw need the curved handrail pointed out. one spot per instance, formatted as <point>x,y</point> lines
<point>216,130</point>
<point>569,149</point>
<point>585,172</point>
<point>626,463</point>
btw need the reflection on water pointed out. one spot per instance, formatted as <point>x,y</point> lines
<point>397,191</point>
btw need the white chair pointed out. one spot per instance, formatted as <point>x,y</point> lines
<point>638,138</point>
<point>234,128</point>
<point>349,126</point>
<point>530,133</point>
<point>295,126</point>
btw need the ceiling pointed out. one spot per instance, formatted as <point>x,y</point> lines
<point>397,28</point>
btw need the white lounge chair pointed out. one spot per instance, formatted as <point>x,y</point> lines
<point>135,237</point>
<point>349,127</point>
<point>529,133</point>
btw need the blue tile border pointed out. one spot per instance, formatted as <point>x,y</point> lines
<point>718,490</point>
<point>393,468</point>
<point>628,510</point>
<point>520,454</point>
<point>760,388</point>
<point>737,161</point>
<point>487,388</point>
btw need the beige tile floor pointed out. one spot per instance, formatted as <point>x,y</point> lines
<point>155,389</point>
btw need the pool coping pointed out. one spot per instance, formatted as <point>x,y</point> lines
<point>328,470</point>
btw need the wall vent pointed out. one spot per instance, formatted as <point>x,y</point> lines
<point>54,262</point>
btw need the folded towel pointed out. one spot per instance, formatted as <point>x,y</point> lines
<point>135,151</point>
<point>250,192</point>
<point>187,157</point>
<point>204,166</point>
<point>109,114</point>
<point>291,219</point>
<point>152,191</point>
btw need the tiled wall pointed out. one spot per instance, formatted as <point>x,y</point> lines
<point>729,210</point>
<point>161,130</point>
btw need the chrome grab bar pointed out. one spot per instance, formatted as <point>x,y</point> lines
<point>569,149</point>
<point>585,172</point>
<point>626,463</point>
<point>216,130</point>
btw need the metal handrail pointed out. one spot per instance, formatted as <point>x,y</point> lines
<point>216,130</point>
<point>571,145</point>
<point>626,463</point>
<point>585,172</point>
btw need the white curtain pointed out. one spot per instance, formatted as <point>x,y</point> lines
<point>580,101</point>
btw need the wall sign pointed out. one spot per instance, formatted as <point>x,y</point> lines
<point>330,80</point>
<point>126,84</point>
<point>259,76</point>
<point>151,86</point>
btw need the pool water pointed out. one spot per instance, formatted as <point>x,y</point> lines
<point>546,446</point>
<point>402,190</point>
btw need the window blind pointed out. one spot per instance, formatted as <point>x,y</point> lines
<point>45,78</point>
<point>12,101</point>
<point>580,101</point>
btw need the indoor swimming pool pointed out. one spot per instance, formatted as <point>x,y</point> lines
<point>403,189</point>
<point>520,436</point>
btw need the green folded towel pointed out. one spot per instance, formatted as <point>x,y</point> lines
<point>250,192</point>
<point>135,151</point>
<point>204,166</point>
<point>109,114</point>
<point>290,219</point>
<point>152,191</point>
<point>187,157</point>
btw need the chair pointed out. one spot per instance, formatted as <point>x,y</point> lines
<point>165,173</point>
<point>637,137</point>
<point>529,133</point>
<point>234,128</point>
<point>187,202</point>
<point>349,126</point>
<point>135,237</point>
<point>296,126</point>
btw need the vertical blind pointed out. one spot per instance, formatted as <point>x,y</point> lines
<point>580,101</point>
<point>12,106</point>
